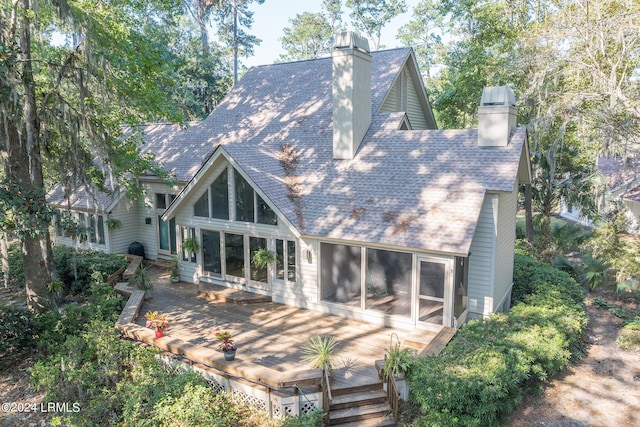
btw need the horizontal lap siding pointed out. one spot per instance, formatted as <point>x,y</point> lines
<point>482,260</point>
<point>392,103</point>
<point>505,245</point>
<point>128,213</point>
<point>148,234</point>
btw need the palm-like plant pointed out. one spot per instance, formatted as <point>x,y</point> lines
<point>320,352</point>
<point>594,272</point>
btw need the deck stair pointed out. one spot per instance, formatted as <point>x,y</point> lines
<point>363,405</point>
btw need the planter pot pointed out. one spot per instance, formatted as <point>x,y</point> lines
<point>175,279</point>
<point>159,334</point>
<point>229,355</point>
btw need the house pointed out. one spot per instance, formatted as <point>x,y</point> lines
<point>335,166</point>
<point>619,184</point>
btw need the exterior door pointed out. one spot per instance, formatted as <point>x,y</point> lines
<point>434,292</point>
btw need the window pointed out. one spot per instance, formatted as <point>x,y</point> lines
<point>161,201</point>
<point>220,197</point>
<point>266,215</point>
<point>212,262</point>
<point>244,199</point>
<point>201,207</point>
<point>340,273</point>
<point>96,229</point>
<point>286,260</point>
<point>234,254</point>
<point>184,233</point>
<point>258,274</point>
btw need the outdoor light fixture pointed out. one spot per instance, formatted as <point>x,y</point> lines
<point>309,257</point>
<point>147,220</point>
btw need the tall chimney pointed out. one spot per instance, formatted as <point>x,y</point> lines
<point>496,116</point>
<point>351,93</point>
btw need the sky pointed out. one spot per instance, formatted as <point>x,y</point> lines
<point>271,17</point>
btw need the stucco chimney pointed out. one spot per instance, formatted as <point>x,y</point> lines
<point>496,116</point>
<point>351,93</point>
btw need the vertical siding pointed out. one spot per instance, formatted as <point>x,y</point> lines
<point>482,260</point>
<point>414,107</point>
<point>508,207</point>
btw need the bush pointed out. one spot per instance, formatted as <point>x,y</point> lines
<point>630,338</point>
<point>16,271</point>
<point>76,267</point>
<point>312,419</point>
<point>481,375</point>
<point>16,330</point>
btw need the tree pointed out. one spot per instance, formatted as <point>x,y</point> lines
<point>309,36</point>
<point>420,33</point>
<point>61,106</point>
<point>232,16</point>
<point>371,16</point>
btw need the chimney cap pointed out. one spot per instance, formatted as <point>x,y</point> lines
<point>498,95</point>
<point>351,40</point>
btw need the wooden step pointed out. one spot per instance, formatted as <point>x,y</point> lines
<point>356,389</point>
<point>359,413</point>
<point>134,264</point>
<point>386,421</point>
<point>358,399</point>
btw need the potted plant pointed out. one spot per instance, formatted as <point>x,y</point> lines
<point>397,362</point>
<point>263,257</point>
<point>227,345</point>
<point>320,352</point>
<point>157,322</point>
<point>191,245</point>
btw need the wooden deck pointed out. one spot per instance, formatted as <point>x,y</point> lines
<point>269,336</point>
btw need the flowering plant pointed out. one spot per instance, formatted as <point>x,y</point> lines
<point>156,321</point>
<point>227,344</point>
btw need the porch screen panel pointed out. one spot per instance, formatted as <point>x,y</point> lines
<point>244,199</point>
<point>258,274</point>
<point>432,277</point>
<point>212,262</point>
<point>388,282</point>
<point>340,273</point>
<point>234,251</point>
<point>220,197</point>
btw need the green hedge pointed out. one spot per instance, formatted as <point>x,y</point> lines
<point>75,267</point>
<point>481,375</point>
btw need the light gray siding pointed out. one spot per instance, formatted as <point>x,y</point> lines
<point>482,259</point>
<point>148,233</point>
<point>508,206</point>
<point>414,107</point>
<point>127,212</point>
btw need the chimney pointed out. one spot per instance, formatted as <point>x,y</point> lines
<point>351,93</point>
<point>496,116</point>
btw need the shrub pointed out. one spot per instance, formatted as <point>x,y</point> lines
<point>16,330</point>
<point>16,271</point>
<point>76,267</point>
<point>630,338</point>
<point>481,375</point>
<point>312,419</point>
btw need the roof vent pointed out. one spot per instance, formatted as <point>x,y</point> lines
<point>496,116</point>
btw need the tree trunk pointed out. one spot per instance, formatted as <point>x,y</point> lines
<point>26,169</point>
<point>4,253</point>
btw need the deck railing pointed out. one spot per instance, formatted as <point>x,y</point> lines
<point>326,396</point>
<point>393,396</point>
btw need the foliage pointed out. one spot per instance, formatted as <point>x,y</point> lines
<point>320,352</point>
<point>398,360</point>
<point>75,267</point>
<point>309,36</point>
<point>156,321</point>
<point>312,419</point>
<point>481,375</point>
<point>16,269</point>
<point>370,16</point>
<point>263,257</point>
<point>594,271</point>
<point>190,244</point>
<point>141,279</point>
<point>197,405</point>
<point>613,309</point>
<point>16,330</point>
<point>421,34</point>
<point>227,343</point>
<point>630,338</point>
<point>628,288</point>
